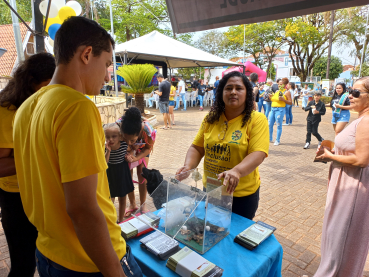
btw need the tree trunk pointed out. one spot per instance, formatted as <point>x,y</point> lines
<point>140,102</point>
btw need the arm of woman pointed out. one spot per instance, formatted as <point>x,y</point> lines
<point>193,158</point>
<point>289,99</point>
<point>145,151</point>
<point>248,165</point>
<point>361,156</point>
<point>343,107</point>
<point>7,164</point>
<point>172,92</point>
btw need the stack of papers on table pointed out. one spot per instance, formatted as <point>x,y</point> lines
<point>160,245</point>
<point>254,235</point>
<point>188,263</point>
<point>138,226</point>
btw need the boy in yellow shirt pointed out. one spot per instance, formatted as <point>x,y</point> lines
<point>59,156</point>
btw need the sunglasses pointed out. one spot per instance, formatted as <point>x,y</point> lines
<point>356,93</point>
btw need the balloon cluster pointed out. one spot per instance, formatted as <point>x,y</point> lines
<point>59,11</point>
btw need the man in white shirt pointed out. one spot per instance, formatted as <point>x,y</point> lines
<point>181,94</point>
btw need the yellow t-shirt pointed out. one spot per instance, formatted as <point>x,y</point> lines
<point>58,138</point>
<point>276,103</point>
<point>224,154</point>
<point>172,91</point>
<point>9,183</point>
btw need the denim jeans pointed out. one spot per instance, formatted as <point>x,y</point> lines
<point>268,109</point>
<point>201,99</point>
<point>276,116</point>
<point>151,99</point>
<point>261,105</point>
<point>183,96</point>
<point>289,115</point>
<point>47,268</point>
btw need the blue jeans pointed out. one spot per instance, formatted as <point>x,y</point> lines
<point>276,116</point>
<point>183,96</point>
<point>268,109</point>
<point>343,116</point>
<point>47,268</point>
<point>289,115</point>
<point>261,105</point>
<point>305,101</point>
<point>151,99</point>
<point>201,99</point>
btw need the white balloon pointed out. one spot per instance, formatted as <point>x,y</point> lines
<point>75,6</point>
<point>59,3</point>
<point>53,9</point>
<point>50,41</point>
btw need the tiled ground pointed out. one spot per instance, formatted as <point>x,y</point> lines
<point>293,188</point>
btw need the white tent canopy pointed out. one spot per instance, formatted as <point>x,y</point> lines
<point>158,47</point>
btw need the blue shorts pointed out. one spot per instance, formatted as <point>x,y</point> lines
<point>343,116</point>
<point>171,103</point>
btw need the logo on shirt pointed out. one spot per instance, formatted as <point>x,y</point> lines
<point>237,135</point>
<point>221,152</point>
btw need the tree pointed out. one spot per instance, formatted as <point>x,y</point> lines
<point>364,70</point>
<point>138,78</point>
<point>213,42</point>
<point>335,68</point>
<point>263,40</point>
<point>23,9</point>
<point>272,72</point>
<point>187,72</point>
<point>307,37</point>
<point>354,31</point>
<point>135,18</point>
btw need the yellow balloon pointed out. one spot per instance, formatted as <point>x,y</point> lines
<point>66,12</point>
<point>51,21</point>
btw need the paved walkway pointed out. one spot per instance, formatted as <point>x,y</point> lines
<point>293,188</point>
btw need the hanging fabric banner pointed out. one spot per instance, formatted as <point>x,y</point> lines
<point>197,15</point>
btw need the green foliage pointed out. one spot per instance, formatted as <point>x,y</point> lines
<point>272,72</point>
<point>138,77</point>
<point>364,70</point>
<point>187,72</point>
<point>326,99</point>
<point>23,9</point>
<point>213,42</point>
<point>335,68</point>
<point>263,40</point>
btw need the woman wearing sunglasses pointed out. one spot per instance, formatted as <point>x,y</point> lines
<point>345,238</point>
<point>234,141</point>
<point>340,105</point>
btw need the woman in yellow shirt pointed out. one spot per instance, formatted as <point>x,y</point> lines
<point>30,76</point>
<point>171,102</point>
<point>233,139</point>
<point>279,100</point>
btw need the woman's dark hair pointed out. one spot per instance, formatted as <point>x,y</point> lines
<point>33,71</point>
<point>343,85</point>
<point>77,31</point>
<point>219,105</point>
<point>131,122</point>
<point>293,86</point>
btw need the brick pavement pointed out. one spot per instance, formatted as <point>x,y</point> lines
<point>293,188</point>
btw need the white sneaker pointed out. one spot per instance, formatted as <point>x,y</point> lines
<point>276,143</point>
<point>307,146</point>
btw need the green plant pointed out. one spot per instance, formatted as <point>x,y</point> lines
<point>138,78</point>
<point>326,99</point>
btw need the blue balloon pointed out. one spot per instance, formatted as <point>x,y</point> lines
<point>53,29</point>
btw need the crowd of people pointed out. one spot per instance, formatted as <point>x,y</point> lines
<point>61,169</point>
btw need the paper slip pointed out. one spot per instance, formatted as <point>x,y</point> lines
<point>256,233</point>
<point>127,228</point>
<point>188,264</point>
<point>140,226</point>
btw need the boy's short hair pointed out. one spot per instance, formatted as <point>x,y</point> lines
<point>254,77</point>
<point>160,76</point>
<point>318,93</point>
<point>77,31</point>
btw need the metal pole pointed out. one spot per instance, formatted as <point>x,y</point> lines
<point>363,54</point>
<point>114,61</point>
<point>39,27</point>
<point>330,46</point>
<point>17,34</point>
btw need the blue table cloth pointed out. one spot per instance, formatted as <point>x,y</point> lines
<point>264,261</point>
